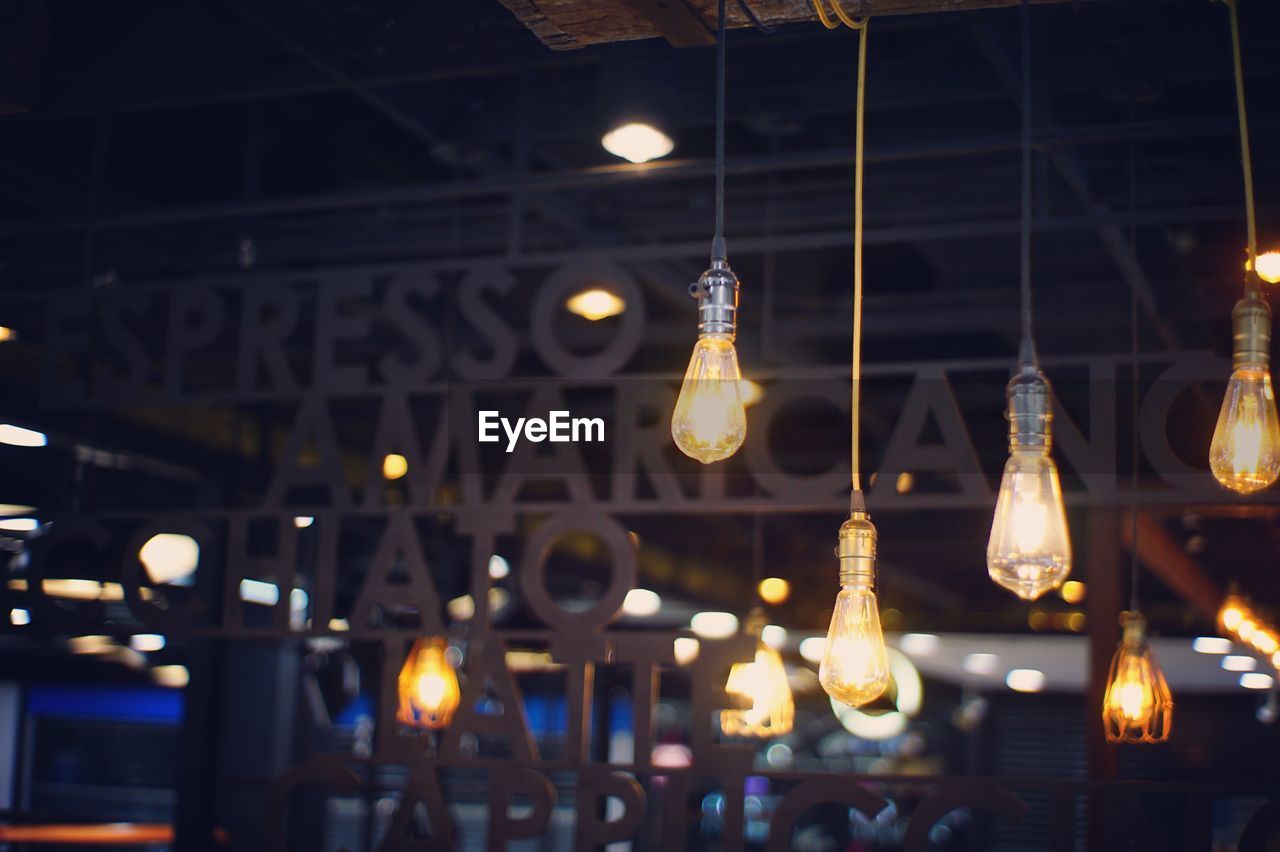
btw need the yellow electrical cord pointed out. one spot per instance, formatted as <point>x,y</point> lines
<point>1250,222</point>
<point>859,24</point>
<point>859,111</point>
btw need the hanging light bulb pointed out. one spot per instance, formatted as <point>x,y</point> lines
<point>1137,706</point>
<point>710,419</point>
<point>763,682</point>
<point>1029,551</point>
<point>1245,453</point>
<point>855,668</point>
<point>427,686</point>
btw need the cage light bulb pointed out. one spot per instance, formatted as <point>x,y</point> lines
<point>1029,550</point>
<point>427,687</point>
<point>1137,706</point>
<point>855,667</point>
<point>763,682</point>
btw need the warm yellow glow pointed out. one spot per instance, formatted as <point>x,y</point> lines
<point>764,683</point>
<point>174,677</point>
<point>637,142</point>
<point>1072,591</point>
<point>1265,642</point>
<point>1245,453</point>
<point>1246,630</point>
<point>710,421</point>
<point>1232,614</point>
<point>855,668</point>
<point>1029,551</point>
<point>427,686</point>
<point>774,590</point>
<point>752,392</point>
<point>1268,266</point>
<point>6,334</point>
<point>394,466</point>
<point>686,650</point>
<point>595,304</point>
<point>1137,706</point>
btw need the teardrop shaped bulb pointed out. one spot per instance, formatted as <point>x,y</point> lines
<point>855,668</point>
<point>710,420</point>
<point>1029,551</point>
<point>1245,453</point>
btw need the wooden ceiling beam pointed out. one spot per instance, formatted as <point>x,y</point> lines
<point>569,24</point>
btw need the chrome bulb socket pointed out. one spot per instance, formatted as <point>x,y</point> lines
<point>1029,409</point>
<point>717,293</point>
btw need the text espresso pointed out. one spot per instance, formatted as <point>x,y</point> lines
<point>559,427</point>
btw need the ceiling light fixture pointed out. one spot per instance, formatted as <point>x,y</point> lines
<point>1137,706</point>
<point>1029,551</point>
<point>1025,680</point>
<point>595,304</point>
<point>637,142</point>
<point>17,436</point>
<point>710,420</point>
<point>855,667</point>
<point>1244,455</point>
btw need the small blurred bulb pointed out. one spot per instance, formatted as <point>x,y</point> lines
<point>637,142</point>
<point>427,686</point>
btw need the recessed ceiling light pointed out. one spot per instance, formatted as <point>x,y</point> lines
<point>16,436</point>
<point>980,664</point>
<point>642,603</point>
<point>637,142</point>
<point>774,636</point>
<point>1255,680</point>
<point>813,648</point>
<point>918,644</point>
<point>1025,680</point>
<point>595,304</point>
<point>1211,645</point>
<point>1239,663</point>
<point>714,625</point>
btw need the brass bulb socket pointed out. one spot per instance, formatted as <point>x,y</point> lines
<point>857,551</point>
<point>1029,409</point>
<point>1134,625</point>
<point>717,293</point>
<point>1251,332</point>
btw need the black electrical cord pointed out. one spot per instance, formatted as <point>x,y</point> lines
<point>718,250</point>
<point>768,29</point>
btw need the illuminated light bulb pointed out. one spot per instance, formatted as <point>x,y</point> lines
<point>1245,453</point>
<point>1029,551</point>
<point>427,686</point>
<point>763,682</point>
<point>1232,613</point>
<point>1137,706</point>
<point>710,420</point>
<point>1268,266</point>
<point>637,142</point>
<point>855,667</point>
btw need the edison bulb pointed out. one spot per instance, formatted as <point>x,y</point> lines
<point>1029,551</point>
<point>710,420</point>
<point>1245,453</point>
<point>427,687</point>
<point>1137,706</point>
<point>855,668</point>
<point>763,682</point>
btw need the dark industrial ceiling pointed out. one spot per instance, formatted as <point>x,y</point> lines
<point>173,141</point>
